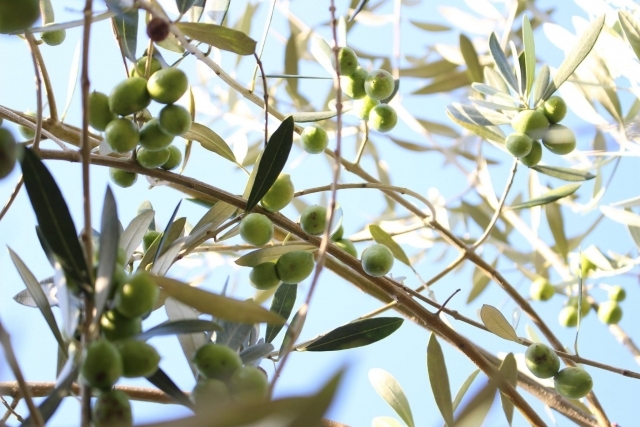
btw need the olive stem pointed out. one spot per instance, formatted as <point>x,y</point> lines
<point>34,48</point>
<point>12,197</point>
<point>51,99</point>
<point>266,97</point>
<point>363,144</point>
<point>11,410</point>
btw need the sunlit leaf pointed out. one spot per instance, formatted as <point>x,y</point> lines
<point>427,26</point>
<point>478,116</point>
<point>389,389</point>
<point>509,370</point>
<point>386,422</point>
<point>529,52</point>
<point>306,117</point>
<point>429,70</point>
<point>223,38</point>
<point>540,84</point>
<point>564,174</point>
<point>464,388</point>
<point>271,254</point>
<point>444,83</point>
<point>282,304</point>
<point>496,323</point>
<point>480,282</point>
<point>355,334</point>
<point>549,197</point>
<point>179,327</point>
<point>125,27</point>
<point>620,215</point>
<point>502,64</point>
<point>471,59</point>
<point>178,312</point>
<point>631,29</point>
<point>108,252</point>
<point>475,412</point>
<point>556,225</point>
<point>439,379</point>
<point>135,231</point>
<point>323,53</point>
<point>383,238</point>
<point>210,141</point>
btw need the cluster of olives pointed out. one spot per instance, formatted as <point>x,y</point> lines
<point>224,379</point>
<point>111,114</point>
<point>541,124</point>
<point>609,312</point>
<point>571,382</point>
<point>8,152</point>
<point>368,88</point>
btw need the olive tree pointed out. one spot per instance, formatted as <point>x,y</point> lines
<point>544,131</point>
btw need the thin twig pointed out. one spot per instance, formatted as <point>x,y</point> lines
<point>51,99</point>
<point>363,144</point>
<point>266,97</point>
<point>443,306</point>
<point>11,410</point>
<point>33,48</point>
<point>12,197</point>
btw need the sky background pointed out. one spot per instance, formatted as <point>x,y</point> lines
<point>336,302</point>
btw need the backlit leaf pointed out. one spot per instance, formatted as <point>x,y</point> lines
<point>125,27</point>
<point>323,53</point>
<point>293,331</point>
<point>389,389</point>
<point>223,38</point>
<point>496,323</point>
<point>161,380</point>
<point>529,52</point>
<point>214,218</point>
<point>427,26</point>
<point>179,327</point>
<point>135,231</point>
<point>620,215</point>
<point>444,83</point>
<point>556,225</point>
<point>471,59</point>
<point>383,238</point>
<point>190,343</point>
<point>464,388</point>
<point>502,64</point>
<point>271,254</point>
<point>439,379</point>
<point>509,370</point>
<point>282,304</point>
<point>479,116</point>
<point>355,334</point>
<point>549,197</point>
<point>108,252</point>
<point>565,174</point>
<point>210,141</point>
<point>314,116</point>
<point>540,84</point>
<point>385,422</point>
<point>631,30</point>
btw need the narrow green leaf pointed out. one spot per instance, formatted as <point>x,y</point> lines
<point>439,128</point>
<point>549,197</point>
<point>556,225</point>
<point>125,27</point>
<point>223,38</point>
<point>390,390</point>
<point>214,218</point>
<point>464,388</point>
<point>383,238</point>
<point>108,252</point>
<point>444,83</point>
<point>210,141</point>
<point>165,237</point>
<point>355,334</point>
<point>358,8</point>
<point>540,84</point>
<point>475,412</point>
<point>471,59</point>
<point>175,232</point>
<point>271,254</point>
<point>256,352</point>
<point>480,130</point>
<point>323,53</point>
<point>272,161</point>
<point>53,216</point>
<point>620,215</point>
<point>529,52</point>
<point>24,296</point>
<point>480,282</point>
<point>496,323</point>
<point>313,116</point>
<point>161,380</point>
<point>189,343</point>
<point>431,69</point>
<point>234,335</point>
<point>585,43</point>
<point>293,331</point>
<point>631,29</point>
<point>494,105</point>
<point>282,304</point>
<point>493,78</point>
<point>509,370</point>
<point>427,26</point>
<point>565,174</point>
<point>135,231</point>
<point>178,327</point>
<point>483,117</point>
<point>184,5</point>
<point>216,305</point>
<point>502,64</point>
<point>38,295</point>
<point>439,379</point>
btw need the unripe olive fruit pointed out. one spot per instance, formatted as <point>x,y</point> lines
<point>210,393</point>
<point>617,293</point>
<point>112,408</point>
<point>137,296</point>
<point>609,312</point>
<point>249,384</point>
<point>168,85</point>
<point>101,364</point>
<point>347,246</point>
<point>555,109</point>
<point>153,138</point>
<point>139,70</point>
<point>560,140</point>
<point>116,327</point>
<point>256,229</point>
<point>152,159</point>
<point>534,156</point>
<point>383,118</point>
<point>100,115</point>
<point>568,317</point>
<point>573,383</point>
<point>314,139</point>
<point>148,239</point>
<point>174,119</point>
<point>338,234</point>
<point>8,152</point>
<point>122,135</point>
<point>531,122</point>
<point>25,131</point>
<point>139,359</point>
<point>542,361</point>
<point>379,84</point>
<point>53,38</point>
<point>279,195</point>
<point>353,85</point>
<point>175,158</point>
<point>16,15</point>
<point>347,60</point>
<point>541,290</point>
<point>313,220</point>
<point>216,361</point>
<point>293,267</point>
<point>518,144</point>
<point>122,178</point>
<point>129,96</point>
<point>363,107</point>
<point>585,308</point>
<point>264,276</point>
<point>377,260</point>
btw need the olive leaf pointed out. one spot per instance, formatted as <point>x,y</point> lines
<point>540,84</point>
<point>390,390</point>
<point>355,334</point>
<point>556,225</point>
<point>161,380</point>
<point>631,30</point>
<point>223,38</point>
<point>178,327</point>
<point>271,254</point>
<point>620,215</point>
<point>509,370</point>
<point>502,64</point>
<point>471,59</point>
<point>358,8</point>
<point>210,141</point>
<point>444,83</point>
<point>135,231</point>
<point>282,304</point>
<point>549,197</point>
<point>439,379</point>
<point>63,388</point>
<point>529,53</point>
<point>166,238</point>
<point>293,331</point>
<point>108,252</point>
<point>314,116</point>
<point>185,5</point>
<point>190,343</point>
<point>464,388</point>
<point>478,116</point>
<point>233,335</point>
<point>125,27</point>
<point>496,323</point>
<point>565,174</point>
<point>255,353</point>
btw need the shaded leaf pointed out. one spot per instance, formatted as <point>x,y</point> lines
<point>179,327</point>
<point>272,161</point>
<point>293,331</point>
<point>314,116</point>
<point>168,257</point>
<point>161,380</point>
<point>216,305</point>
<point>355,334</point>
<point>549,197</point>
<point>438,128</point>
<point>480,283</point>
<point>68,303</point>
<point>271,254</point>
<point>464,388</point>
<point>53,216</point>
<point>471,59</point>
<point>255,353</point>
<point>24,296</point>
<point>108,252</point>
<point>389,389</point>
<point>556,225</point>
<point>565,174</point>
<point>166,238</point>
<point>585,43</point>
<point>282,304</point>
<point>223,38</point>
<point>509,370</point>
<point>439,379</point>
<point>502,64</point>
<point>383,238</point>
<point>214,218</point>
<point>190,343</point>
<point>496,323</point>
<point>125,27</point>
<point>475,412</point>
<point>132,235</point>
<point>210,141</point>
<point>184,5</point>
<point>358,8</point>
<point>529,53</point>
<point>234,335</point>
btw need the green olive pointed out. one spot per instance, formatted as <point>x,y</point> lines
<point>139,359</point>
<point>138,296</point>
<point>279,195</point>
<point>293,267</point>
<point>534,156</point>
<point>542,361</point>
<point>560,140</point>
<point>112,408</point>
<point>168,85</point>
<point>585,307</point>
<point>379,84</point>
<point>101,364</point>
<point>541,290</point>
<point>347,246</point>
<point>383,118</point>
<point>174,119</point>
<point>17,15</point>
<point>217,361</point>
<point>531,122</point>
<point>313,220</point>
<point>377,260</point>
<point>256,229</point>
<point>122,178</point>
<point>573,383</point>
<point>363,107</point>
<point>347,60</point>
<point>264,276</point>
<point>25,131</point>
<point>314,139</point>
<point>8,152</point>
<point>609,312</point>
<point>249,384</point>
<point>100,115</point>
<point>617,293</point>
<point>153,138</point>
<point>53,38</point>
<point>148,239</point>
<point>338,234</point>
<point>141,67</point>
<point>115,326</point>
<point>152,159</point>
<point>210,394</point>
<point>122,135</point>
<point>353,85</point>
<point>129,96</point>
<point>175,158</point>
<point>518,144</point>
<point>568,317</point>
<point>555,109</point>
